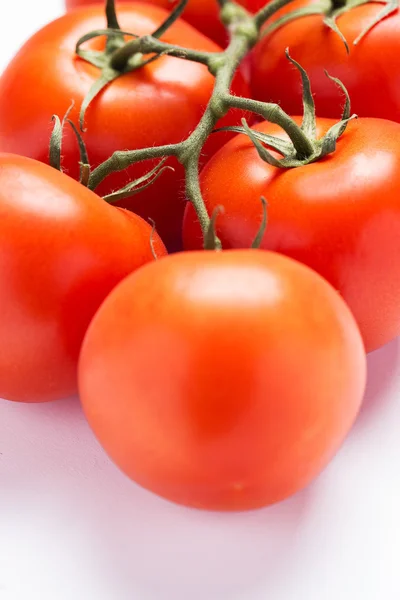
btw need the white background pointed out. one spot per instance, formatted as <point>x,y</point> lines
<point>73,528</point>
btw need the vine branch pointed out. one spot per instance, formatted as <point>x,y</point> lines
<point>148,44</point>
<point>121,160</point>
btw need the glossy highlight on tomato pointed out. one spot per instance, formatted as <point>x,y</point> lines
<point>202,14</point>
<point>62,250</point>
<point>158,104</point>
<point>222,380</point>
<point>339,215</point>
<point>370,71</point>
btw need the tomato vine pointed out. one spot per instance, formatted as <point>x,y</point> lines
<point>245,30</point>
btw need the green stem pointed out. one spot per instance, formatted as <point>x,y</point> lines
<point>116,40</point>
<point>120,57</point>
<point>150,45</point>
<point>121,160</point>
<point>190,149</point>
<point>193,192</point>
<point>111,15</point>
<point>275,114</point>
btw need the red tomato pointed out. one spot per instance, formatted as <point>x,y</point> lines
<point>202,14</point>
<point>62,250</point>
<point>370,72</point>
<point>159,104</point>
<point>340,215</point>
<point>235,390</point>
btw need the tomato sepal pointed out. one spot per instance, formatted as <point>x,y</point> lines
<point>55,146</point>
<point>332,10</point>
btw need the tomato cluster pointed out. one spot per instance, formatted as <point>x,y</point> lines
<point>218,379</point>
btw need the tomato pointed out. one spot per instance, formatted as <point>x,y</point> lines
<point>370,72</point>
<point>62,250</point>
<point>202,14</point>
<point>340,215</point>
<point>222,380</point>
<point>158,104</point>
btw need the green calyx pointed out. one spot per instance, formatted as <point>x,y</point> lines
<point>119,56</point>
<point>331,10</point>
<point>303,146</point>
<point>55,146</point>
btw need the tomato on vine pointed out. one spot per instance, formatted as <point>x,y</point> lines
<point>339,215</point>
<point>159,103</point>
<point>62,251</point>
<point>370,71</point>
<point>202,14</point>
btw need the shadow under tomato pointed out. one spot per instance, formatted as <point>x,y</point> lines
<point>166,552</point>
<point>136,544</point>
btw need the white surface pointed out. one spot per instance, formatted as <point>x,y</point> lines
<point>73,528</point>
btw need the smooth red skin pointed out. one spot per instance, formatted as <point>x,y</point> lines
<point>62,250</point>
<point>340,215</point>
<point>222,381</point>
<point>202,14</point>
<point>371,71</point>
<point>159,104</point>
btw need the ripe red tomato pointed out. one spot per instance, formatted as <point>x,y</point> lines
<point>340,215</point>
<point>62,250</point>
<point>158,104</point>
<point>202,14</point>
<point>235,390</point>
<point>370,72</point>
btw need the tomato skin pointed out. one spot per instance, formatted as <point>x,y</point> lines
<point>260,372</point>
<point>340,215</point>
<point>159,104</point>
<point>62,250</point>
<point>202,14</point>
<point>370,72</point>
